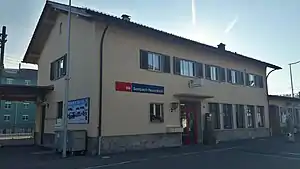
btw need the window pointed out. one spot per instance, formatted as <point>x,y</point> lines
<point>187,68</point>
<point>227,116</point>
<point>240,116</point>
<point>214,109</point>
<point>27,82</point>
<point>235,77</point>
<point>7,105</point>
<point>154,61</point>
<point>260,116</point>
<point>283,116</point>
<point>25,117</point>
<point>254,80</point>
<point>215,73</point>
<point>26,105</point>
<point>6,117</point>
<point>156,112</point>
<point>60,109</point>
<point>250,116</point>
<point>58,68</point>
<point>9,81</point>
<point>297,116</point>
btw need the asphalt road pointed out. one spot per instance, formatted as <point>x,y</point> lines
<point>271,153</point>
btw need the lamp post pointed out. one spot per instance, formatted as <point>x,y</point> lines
<point>67,79</point>
<point>291,76</point>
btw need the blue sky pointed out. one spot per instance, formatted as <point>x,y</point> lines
<point>268,30</point>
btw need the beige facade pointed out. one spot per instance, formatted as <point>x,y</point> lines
<point>126,115</point>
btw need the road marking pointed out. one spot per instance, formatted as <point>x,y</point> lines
<point>290,153</point>
<point>161,157</point>
<point>43,152</point>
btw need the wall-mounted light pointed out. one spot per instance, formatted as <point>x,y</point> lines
<point>173,106</point>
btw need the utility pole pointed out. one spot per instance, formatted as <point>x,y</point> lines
<point>3,40</point>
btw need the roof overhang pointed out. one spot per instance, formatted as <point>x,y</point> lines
<point>23,93</point>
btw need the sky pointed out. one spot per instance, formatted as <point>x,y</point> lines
<point>267,30</point>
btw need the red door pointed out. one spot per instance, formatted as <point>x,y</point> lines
<point>189,124</point>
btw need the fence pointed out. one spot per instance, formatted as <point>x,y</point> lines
<point>16,135</point>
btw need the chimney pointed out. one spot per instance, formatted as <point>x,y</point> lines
<point>125,17</point>
<point>221,46</point>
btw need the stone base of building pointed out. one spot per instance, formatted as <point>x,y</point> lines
<point>236,134</point>
<point>117,144</point>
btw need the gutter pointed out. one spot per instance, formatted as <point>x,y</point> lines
<point>270,129</point>
<point>101,90</point>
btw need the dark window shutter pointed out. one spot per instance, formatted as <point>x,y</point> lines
<point>52,69</point>
<point>176,66</point>
<point>222,74</point>
<point>256,81</point>
<point>166,62</point>
<point>261,82</point>
<point>143,59</point>
<point>247,79</point>
<point>199,69</point>
<point>207,72</point>
<point>242,81</point>
<point>65,64</point>
<point>229,76</point>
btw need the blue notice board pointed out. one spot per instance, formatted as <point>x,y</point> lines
<point>144,88</point>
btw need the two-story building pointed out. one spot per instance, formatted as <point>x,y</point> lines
<point>140,87</point>
<point>18,116</point>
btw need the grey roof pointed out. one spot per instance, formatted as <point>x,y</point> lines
<point>91,14</point>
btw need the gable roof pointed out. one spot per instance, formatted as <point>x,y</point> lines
<point>47,20</point>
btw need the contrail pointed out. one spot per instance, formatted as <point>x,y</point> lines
<point>194,12</point>
<point>231,24</point>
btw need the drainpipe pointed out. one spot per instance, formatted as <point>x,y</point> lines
<point>270,129</point>
<point>100,90</point>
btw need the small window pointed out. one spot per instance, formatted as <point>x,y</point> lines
<point>260,116</point>
<point>6,117</point>
<point>250,116</point>
<point>58,68</point>
<point>156,112</point>
<point>25,117</point>
<point>254,80</point>
<point>227,116</point>
<point>235,77</point>
<point>7,105</point>
<point>9,81</point>
<point>60,109</point>
<point>27,82</point>
<point>214,109</point>
<point>26,105</point>
<point>154,61</point>
<point>215,73</point>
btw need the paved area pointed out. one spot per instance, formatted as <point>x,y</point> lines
<point>270,153</point>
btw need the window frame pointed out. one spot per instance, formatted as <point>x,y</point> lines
<point>5,119</point>
<point>178,67</point>
<point>25,119</point>
<point>216,114</point>
<point>252,119</point>
<point>258,80</point>
<point>7,103</point>
<point>220,73</point>
<point>240,115</point>
<point>161,117</point>
<point>228,112</point>
<point>56,71</point>
<point>239,77</point>
<point>60,109</point>
<point>163,61</point>
<point>260,115</point>
<point>26,105</point>
<point>9,80</point>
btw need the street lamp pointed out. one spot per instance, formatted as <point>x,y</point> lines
<point>291,76</point>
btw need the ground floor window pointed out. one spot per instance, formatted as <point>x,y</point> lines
<point>240,116</point>
<point>297,116</point>
<point>156,112</point>
<point>250,116</point>
<point>260,116</point>
<point>214,109</point>
<point>227,116</point>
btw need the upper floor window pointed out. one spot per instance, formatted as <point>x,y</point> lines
<point>9,81</point>
<point>215,73</point>
<point>235,77</point>
<point>154,61</point>
<point>26,105</point>
<point>254,80</point>
<point>27,82</point>
<point>7,105</point>
<point>187,68</point>
<point>58,68</point>
<point>25,117</point>
<point>6,118</point>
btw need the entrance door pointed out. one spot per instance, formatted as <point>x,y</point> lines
<point>43,124</point>
<point>189,124</point>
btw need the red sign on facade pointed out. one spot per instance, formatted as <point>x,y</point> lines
<point>123,86</point>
